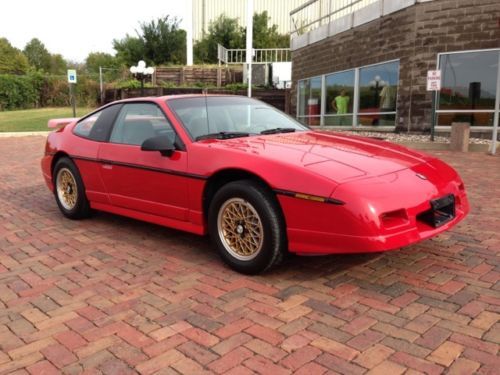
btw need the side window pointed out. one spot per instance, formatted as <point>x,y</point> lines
<point>138,122</point>
<point>84,127</point>
<point>97,126</point>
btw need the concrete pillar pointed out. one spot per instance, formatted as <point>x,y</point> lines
<point>459,138</point>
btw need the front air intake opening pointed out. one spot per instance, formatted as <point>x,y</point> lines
<point>442,211</point>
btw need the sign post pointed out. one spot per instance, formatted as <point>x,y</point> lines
<point>434,85</point>
<point>72,82</point>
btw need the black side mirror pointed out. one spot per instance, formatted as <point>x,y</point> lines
<point>161,143</point>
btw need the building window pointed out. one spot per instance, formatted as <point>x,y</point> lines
<point>309,101</point>
<point>339,98</point>
<point>468,87</point>
<point>364,96</point>
<point>378,89</point>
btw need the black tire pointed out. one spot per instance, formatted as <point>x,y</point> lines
<point>79,207</point>
<point>269,246</point>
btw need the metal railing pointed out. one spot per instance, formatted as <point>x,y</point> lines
<point>316,13</point>
<point>260,55</point>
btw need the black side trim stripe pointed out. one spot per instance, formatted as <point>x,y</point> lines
<point>287,193</point>
<point>314,198</point>
<point>143,167</point>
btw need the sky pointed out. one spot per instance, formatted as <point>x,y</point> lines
<point>76,28</point>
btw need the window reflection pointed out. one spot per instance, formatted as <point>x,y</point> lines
<point>477,118</point>
<point>468,80</point>
<point>378,88</point>
<point>309,93</point>
<point>339,98</point>
<point>303,90</point>
<point>377,92</point>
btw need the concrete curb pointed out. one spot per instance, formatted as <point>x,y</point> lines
<point>23,134</point>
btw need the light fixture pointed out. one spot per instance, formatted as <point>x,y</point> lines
<point>141,71</point>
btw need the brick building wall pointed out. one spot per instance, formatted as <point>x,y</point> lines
<point>414,35</point>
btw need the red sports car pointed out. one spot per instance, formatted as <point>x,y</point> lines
<point>256,180</point>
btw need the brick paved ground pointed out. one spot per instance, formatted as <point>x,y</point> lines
<point>115,296</point>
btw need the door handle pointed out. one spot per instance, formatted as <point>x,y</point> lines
<point>107,166</point>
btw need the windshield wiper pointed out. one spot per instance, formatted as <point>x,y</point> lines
<point>278,130</point>
<point>222,135</point>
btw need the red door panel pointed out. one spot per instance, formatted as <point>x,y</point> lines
<point>145,181</point>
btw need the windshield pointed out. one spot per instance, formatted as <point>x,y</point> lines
<point>227,117</point>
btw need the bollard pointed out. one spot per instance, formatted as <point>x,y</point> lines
<point>459,138</point>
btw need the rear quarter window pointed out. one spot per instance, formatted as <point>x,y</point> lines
<point>97,126</point>
<point>84,127</point>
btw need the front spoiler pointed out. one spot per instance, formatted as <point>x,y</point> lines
<point>306,242</point>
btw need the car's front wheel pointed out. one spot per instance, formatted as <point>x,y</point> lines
<point>69,190</point>
<point>247,227</point>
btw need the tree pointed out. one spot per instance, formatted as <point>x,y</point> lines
<point>95,60</point>
<point>12,60</point>
<point>129,50</point>
<point>158,42</point>
<point>58,66</point>
<point>164,42</point>
<point>223,30</point>
<point>267,37</point>
<point>37,54</point>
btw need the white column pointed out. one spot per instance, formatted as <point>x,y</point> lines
<point>355,104</point>
<point>249,44</point>
<point>497,109</point>
<point>189,32</point>
<point>323,102</point>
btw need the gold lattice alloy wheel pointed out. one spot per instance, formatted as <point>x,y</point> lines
<point>67,191</point>
<point>240,229</point>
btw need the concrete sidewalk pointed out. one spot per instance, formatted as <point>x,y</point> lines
<point>22,134</point>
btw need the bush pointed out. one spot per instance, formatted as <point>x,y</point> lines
<point>130,84</point>
<point>55,93</point>
<point>236,86</point>
<point>194,85</point>
<point>20,91</point>
<point>87,92</point>
<point>127,84</point>
<point>38,90</point>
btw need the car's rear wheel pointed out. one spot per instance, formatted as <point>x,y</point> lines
<point>69,190</point>
<point>247,227</point>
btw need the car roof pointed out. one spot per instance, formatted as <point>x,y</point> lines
<point>170,97</point>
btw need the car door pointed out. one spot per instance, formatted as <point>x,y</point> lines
<point>92,131</point>
<point>140,180</point>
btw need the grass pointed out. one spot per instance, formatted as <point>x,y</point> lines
<point>28,120</point>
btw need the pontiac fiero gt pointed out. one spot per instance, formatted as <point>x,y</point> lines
<point>260,183</point>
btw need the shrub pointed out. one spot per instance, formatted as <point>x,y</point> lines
<point>130,84</point>
<point>87,92</point>
<point>19,91</point>
<point>37,90</point>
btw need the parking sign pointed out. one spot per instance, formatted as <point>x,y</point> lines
<point>71,75</point>
<point>433,80</point>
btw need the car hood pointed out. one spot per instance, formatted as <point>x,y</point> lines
<point>338,157</point>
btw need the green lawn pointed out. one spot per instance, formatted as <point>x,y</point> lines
<point>35,119</point>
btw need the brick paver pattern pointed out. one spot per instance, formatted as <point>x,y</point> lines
<point>116,296</point>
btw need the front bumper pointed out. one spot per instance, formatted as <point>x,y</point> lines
<point>380,213</point>
<point>310,242</point>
